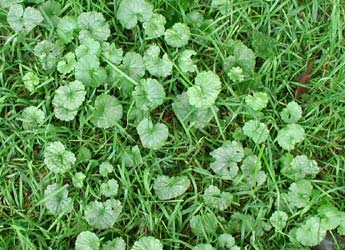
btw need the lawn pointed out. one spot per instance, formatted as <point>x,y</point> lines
<point>151,124</point>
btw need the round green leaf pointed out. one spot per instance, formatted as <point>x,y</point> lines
<point>87,241</point>
<point>152,136</point>
<point>167,188</point>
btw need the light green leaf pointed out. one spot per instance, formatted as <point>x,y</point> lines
<point>148,94</point>
<point>289,136</point>
<point>292,113</point>
<point>178,35</point>
<point>32,117</point>
<point>159,67</point>
<point>102,215</point>
<point>227,157</point>
<point>88,47</point>
<point>311,232</point>
<point>115,244</point>
<point>204,247</point>
<point>87,241</point>
<point>106,168</point>
<point>152,136</point>
<point>256,130</point>
<point>89,72</point>
<point>64,114</point>
<point>66,28</point>
<point>300,167</point>
<point>278,220</point>
<point>133,65</point>
<point>204,225</point>
<point>299,193</point>
<point>93,25</point>
<point>214,198</point>
<point>222,5</point>
<point>263,45</point>
<point>147,243</point>
<point>132,11</point>
<point>78,179</point>
<point>154,27</point>
<point>189,114</point>
<point>242,57</point>
<point>258,101</point>
<point>330,216</point>
<point>57,200</point>
<point>20,19</point>
<point>226,241</point>
<point>185,61</point>
<point>111,53</point>
<point>107,111</point>
<point>70,96</point>
<point>167,188</point>
<point>109,188</point>
<point>236,74</point>
<point>49,54</point>
<point>30,80</point>
<point>57,158</point>
<point>205,91</point>
<point>251,171</point>
<point>67,64</point>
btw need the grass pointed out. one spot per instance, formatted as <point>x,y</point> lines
<point>303,31</point>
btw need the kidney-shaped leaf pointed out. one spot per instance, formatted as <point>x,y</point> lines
<point>167,188</point>
<point>152,136</point>
<point>108,111</point>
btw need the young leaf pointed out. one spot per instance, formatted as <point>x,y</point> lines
<point>30,80</point>
<point>87,241</point>
<point>251,171</point>
<point>189,114</point>
<point>226,241</point>
<point>289,136</point>
<point>204,247</point>
<point>167,188</point>
<point>111,53</point>
<point>292,113</point>
<point>147,243</point>
<point>242,57</point>
<point>106,168</point>
<point>205,91</point>
<point>311,233</point>
<point>93,25</point>
<point>88,47</point>
<point>132,11</point>
<point>32,117</point>
<point>194,18</point>
<point>204,225</point>
<point>148,94</point>
<point>49,54</point>
<point>154,27</point>
<point>57,200</point>
<point>109,188</point>
<point>178,35</point>
<point>236,74</point>
<point>57,158</point>
<point>263,45</point>
<point>299,193</point>
<point>70,96</point>
<point>330,216</point>
<point>20,19</point>
<point>300,167</point>
<point>115,244</point>
<point>102,215</point>
<point>133,65</point>
<point>152,136</point>
<point>107,111</point>
<point>159,67</point>
<point>67,64</point>
<point>89,72</point>
<point>223,6</point>
<point>278,220</point>
<point>185,61</point>
<point>66,28</point>
<point>78,180</point>
<point>214,198</point>
<point>258,101</point>
<point>227,157</point>
<point>256,130</point>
